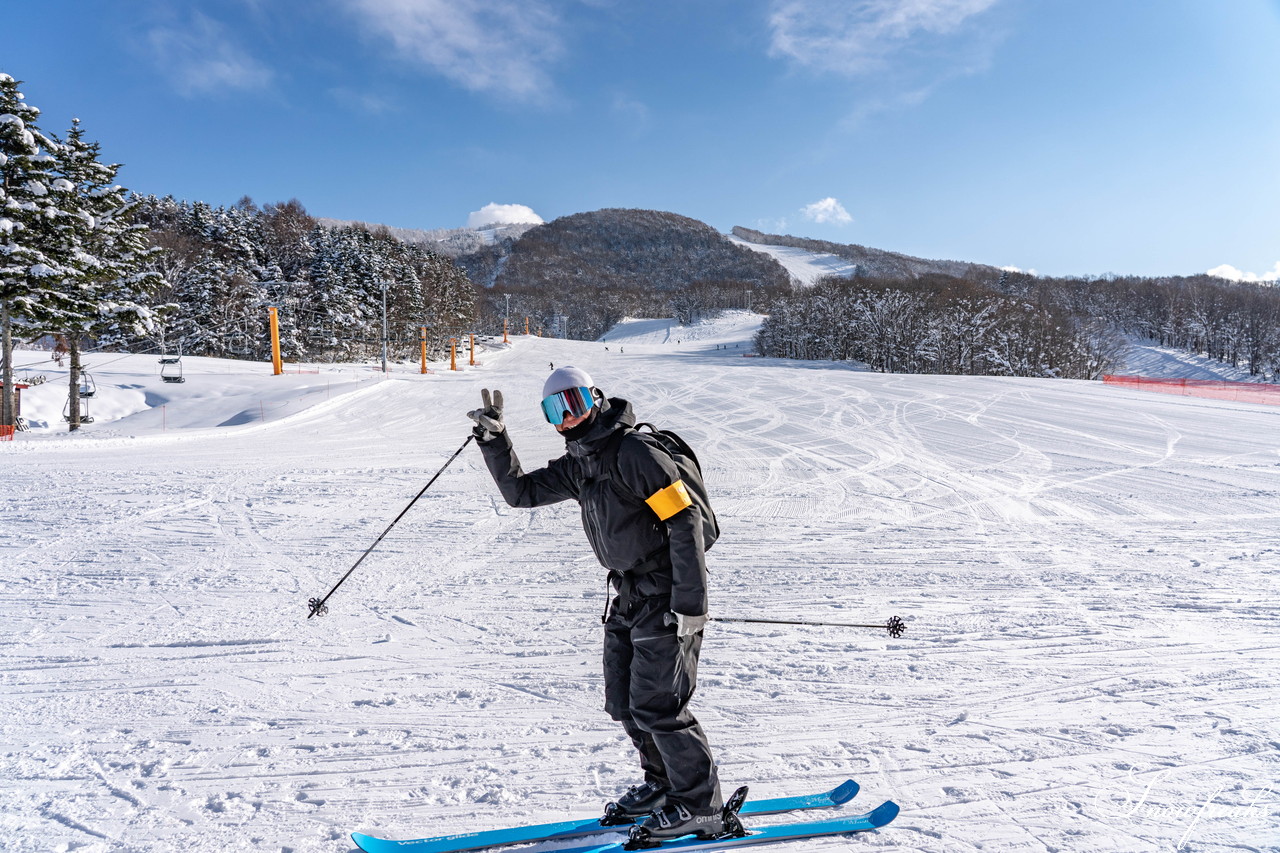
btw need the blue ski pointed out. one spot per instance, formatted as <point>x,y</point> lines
<point>577,828</point>
<point>874,819</point>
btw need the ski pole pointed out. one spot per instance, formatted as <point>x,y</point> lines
<point>895,626</point>
<point>318,607</point>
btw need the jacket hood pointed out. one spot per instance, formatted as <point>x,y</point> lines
<point>615,414</point>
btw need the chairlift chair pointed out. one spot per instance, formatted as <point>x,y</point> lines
<point>88,387</point>
<point>85,418</point>
<point>171,368</point>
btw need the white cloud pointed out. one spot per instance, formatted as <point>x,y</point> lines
<point>502,214</point>
<point>828,211</point>
<point>858,36</point>
<point>1230,272</point>
<point>200,57</point>
<point>500,46</point>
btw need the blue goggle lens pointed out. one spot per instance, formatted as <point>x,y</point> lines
<point>575,401</point>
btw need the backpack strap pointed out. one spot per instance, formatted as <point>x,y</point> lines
<point>609,468</point>
<point>609,458</point>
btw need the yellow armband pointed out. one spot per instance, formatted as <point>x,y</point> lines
<point>670,500</point>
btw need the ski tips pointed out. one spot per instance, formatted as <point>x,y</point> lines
<point>883,813</point>
<point>846,792</point>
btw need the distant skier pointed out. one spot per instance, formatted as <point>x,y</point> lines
<point>651,541</point>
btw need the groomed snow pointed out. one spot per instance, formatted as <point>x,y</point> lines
<point>804,266</point>
<point>1089,576</point>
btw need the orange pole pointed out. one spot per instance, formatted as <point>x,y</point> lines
<point>276,365</point>
<point>424,349</point>
<point>453,353</point>
<point>504,331</point>
<point>526,325</point>
<point>473,350</point>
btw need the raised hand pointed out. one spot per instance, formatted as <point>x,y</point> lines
<point>488,418</point>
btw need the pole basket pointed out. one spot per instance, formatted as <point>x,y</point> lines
<point>6,433</point>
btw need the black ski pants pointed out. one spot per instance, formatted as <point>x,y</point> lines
<point>649,677</point>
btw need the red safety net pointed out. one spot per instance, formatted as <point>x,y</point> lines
<point>1215,389</point>
<point>6,433</point>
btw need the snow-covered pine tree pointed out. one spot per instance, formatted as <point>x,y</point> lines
<point>197,293</point>
<point>26,270</point>
<point>451,297</point>
<point>284,229</point>
<point>107,282</point>
<point>284,294</point>
<point>339,315</point>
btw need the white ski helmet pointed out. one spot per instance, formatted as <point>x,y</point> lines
<point>564,378</point>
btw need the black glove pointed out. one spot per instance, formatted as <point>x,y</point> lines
<point>488,419</point>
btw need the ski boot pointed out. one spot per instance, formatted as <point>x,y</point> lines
<point>674,821</point>
<point>637,802</point>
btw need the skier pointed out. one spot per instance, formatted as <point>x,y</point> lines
<point>652,545</point>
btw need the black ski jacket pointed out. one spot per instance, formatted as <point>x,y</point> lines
<point>658,557</point>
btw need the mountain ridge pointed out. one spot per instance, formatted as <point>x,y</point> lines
<point>486,253</point>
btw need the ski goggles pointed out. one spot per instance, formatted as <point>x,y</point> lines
<point>575,402</point>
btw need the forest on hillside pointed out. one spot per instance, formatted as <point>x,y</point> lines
<point>222,267</point>
<point>1237,323</point>
<point>578,276</point>
<point>1015,324</point>
<point>591,270</point>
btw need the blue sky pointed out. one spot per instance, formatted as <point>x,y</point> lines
<point>1064,136</point>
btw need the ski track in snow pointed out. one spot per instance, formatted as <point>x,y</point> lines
<point>1088,575</point>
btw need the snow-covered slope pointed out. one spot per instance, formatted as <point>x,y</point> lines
<point>1143,358</point>
<point>734,331</point>
<point>1088,574</point>
<point>805,267</point>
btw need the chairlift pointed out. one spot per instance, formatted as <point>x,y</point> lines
<point>88,387</point>
<point>171,368</point>
<point>85,418</point>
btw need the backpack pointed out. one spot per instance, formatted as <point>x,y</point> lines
<point>690,472</point>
